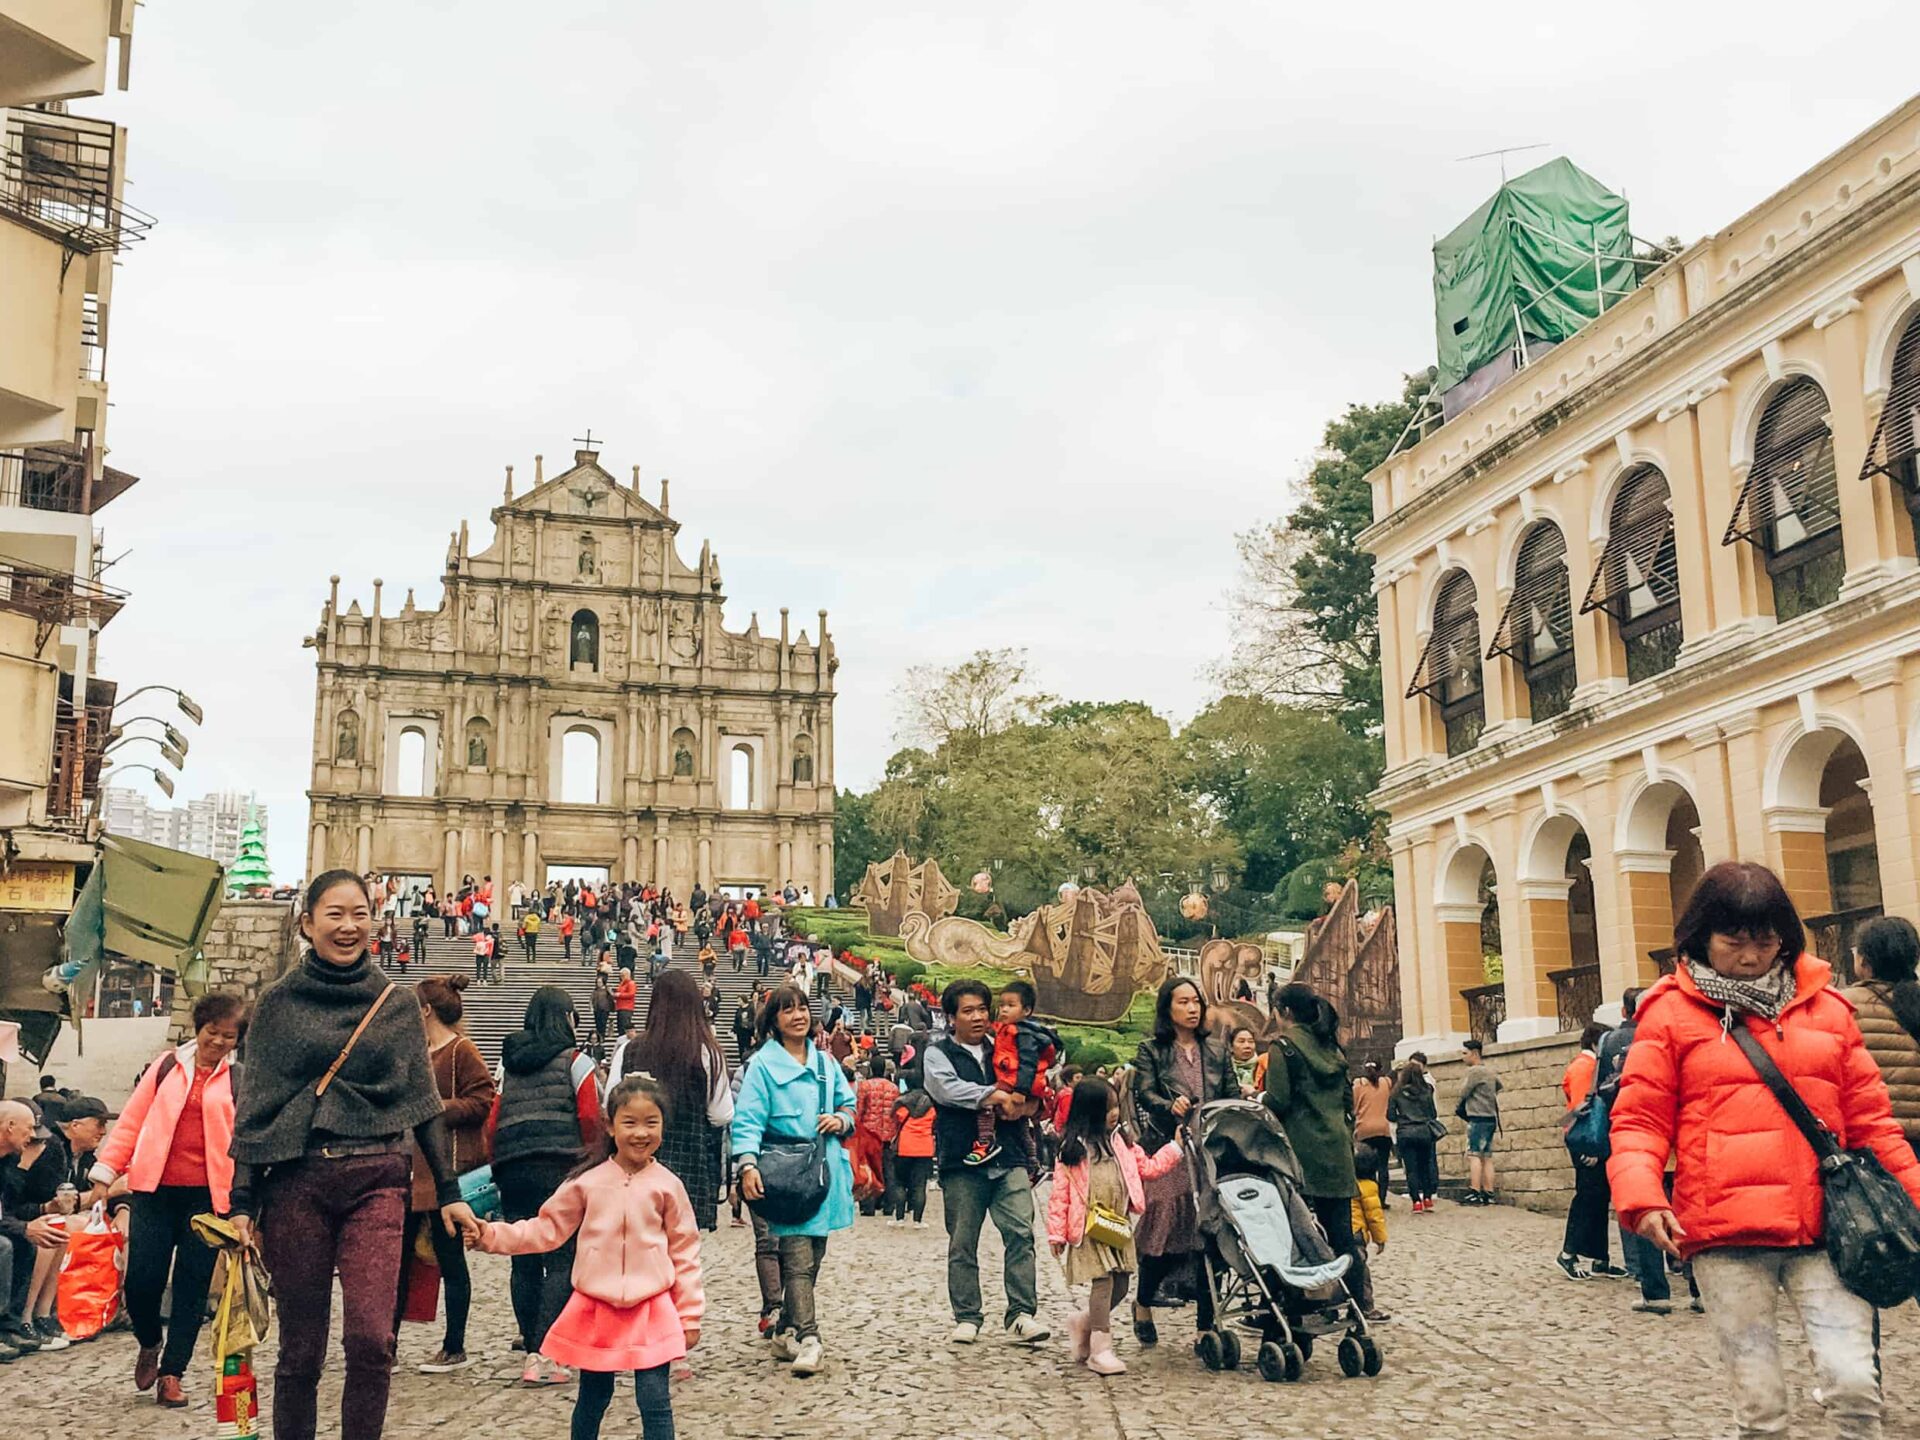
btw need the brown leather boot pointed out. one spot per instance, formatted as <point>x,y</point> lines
<point>171,1393</point>
<point>146,1369</point>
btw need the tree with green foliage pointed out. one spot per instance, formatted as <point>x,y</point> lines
<point>1305,619</point>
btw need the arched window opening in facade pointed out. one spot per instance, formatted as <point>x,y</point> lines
<point>1895,451</point>
<point>580,767</point>
<point>1789,509</point>
<point>410,765</point>
<point>583,640</point>
<point>740,777</point>
<point>1449,670</point>
<point>1853,855</point>
<point>1536,632</point>
<point>1637,581</point>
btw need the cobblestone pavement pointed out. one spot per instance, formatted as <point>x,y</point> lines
<point>1487,1340</point>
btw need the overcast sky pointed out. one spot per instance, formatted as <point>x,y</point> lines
<point>976,325</point>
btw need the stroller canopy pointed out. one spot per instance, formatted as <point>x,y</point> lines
<point>1243,1137</point>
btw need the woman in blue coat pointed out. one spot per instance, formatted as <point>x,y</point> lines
<point>782,1094</point>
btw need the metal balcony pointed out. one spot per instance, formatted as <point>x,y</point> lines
<point>52,598</point>
<point>55,477</point>
<point>60,174</point>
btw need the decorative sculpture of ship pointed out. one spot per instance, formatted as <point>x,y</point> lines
<point>895,888</point>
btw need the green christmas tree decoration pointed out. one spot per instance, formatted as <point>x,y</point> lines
<point>249,870</point>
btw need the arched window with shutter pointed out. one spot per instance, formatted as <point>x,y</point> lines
<point>1637,581</point>
<point>1449,669</point>
<point>1789,509</point>
<point>1895,451</point>
<point>1536,632</point>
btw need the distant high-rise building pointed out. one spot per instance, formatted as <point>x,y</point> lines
<point>208,826</point>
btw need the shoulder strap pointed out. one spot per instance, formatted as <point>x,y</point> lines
<point>1809,1124</point>
<point>166,1065</point>
<point>352,1040</point>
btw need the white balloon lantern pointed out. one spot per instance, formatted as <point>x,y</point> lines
<point>982,883</point>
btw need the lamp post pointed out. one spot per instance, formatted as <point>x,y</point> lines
<point>172,736</point>
<point>174,757</point>
<point>160,777</point>
<point>187,708</point>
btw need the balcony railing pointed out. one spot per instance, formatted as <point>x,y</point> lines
<point>51,597</point>
<point>1576,995</point>
<point>60,174</point>
<point>54,477</point>
<point>1486,1010</point>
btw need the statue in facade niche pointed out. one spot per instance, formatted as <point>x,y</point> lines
<point>585,646</point>
<point>803,762</point>
<point>589,559</point>
<point>346,745</point>
<point>477,749</point>
<point>682,761</point>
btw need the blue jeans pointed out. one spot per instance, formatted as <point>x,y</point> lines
<point>650,1393</point>
<point>969,1197</point>
<point>1480,1135</point>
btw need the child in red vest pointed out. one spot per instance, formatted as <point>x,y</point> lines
<point>1023,1051</point>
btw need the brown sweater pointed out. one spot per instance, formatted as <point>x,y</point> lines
<point>1895,1051</point>
<point>466,1089</point>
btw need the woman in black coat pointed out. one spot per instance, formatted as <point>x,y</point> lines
<point>1180,1066</point>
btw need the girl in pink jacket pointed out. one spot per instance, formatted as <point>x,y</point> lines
<point>637,1300</point>
<point>1098,1165</point>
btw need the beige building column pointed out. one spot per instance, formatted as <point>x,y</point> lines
<point>1546,945</point>
<point>1733,571</point>
<point>363,850</point>
<point>659,876</point>
<point>530,854</point>
<point>1463,967</point>
<point>497,848</point>
<point>1746,771</point>
<point>1647,893</point>
<point>786,853</point>
<point>1712,793</point>
<point>1416,1017</point>
<point>317,850</point>
<point>450,864</point>
<point>1697,525</point>
<point>823,874</point>
<point>1866,510</point>
<point>1881,705</point>
<point>705,862</point>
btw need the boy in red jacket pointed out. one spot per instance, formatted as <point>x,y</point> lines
<point>1023,1051</point>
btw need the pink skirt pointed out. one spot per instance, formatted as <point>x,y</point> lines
<point>593,1335</point>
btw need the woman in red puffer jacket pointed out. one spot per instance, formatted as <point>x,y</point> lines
<point>1746,1206</point>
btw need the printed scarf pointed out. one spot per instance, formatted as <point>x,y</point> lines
<point>1765,996</point>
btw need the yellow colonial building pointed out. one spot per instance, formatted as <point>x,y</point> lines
<point>1652,602</point>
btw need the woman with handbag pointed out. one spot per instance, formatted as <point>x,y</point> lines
<point>1417,1127</point>
<point>1098,1187</point>
<point>790,1127</point>
<point>1749,1196</point>
<point>466,1090</point>
<point>338,1090</point>
<point>1180,1065</point>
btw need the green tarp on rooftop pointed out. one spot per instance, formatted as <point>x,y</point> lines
<point>1528,254</point>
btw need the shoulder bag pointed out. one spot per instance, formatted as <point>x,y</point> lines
<point>793,1170</point>
<point>1873,1228</point>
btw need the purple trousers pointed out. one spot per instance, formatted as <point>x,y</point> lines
<point>317,1216</point>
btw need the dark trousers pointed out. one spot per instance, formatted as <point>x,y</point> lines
<point>650,1392</point>
<point>16,1276</point>
<point>541,1284</point>
<point>909,1188</point>
<point>451,1257</point>
<point>317,1216</point>
<point>1587,1214</point>
<point>1422,1165</point>
<point>622,1021</point>
<point>161,1242</point>
<point>1184,1268</point>
<point>766,1265</point>
<point>1336,1220</point>
<point>600,1019</point>
<point>1376,1151</point>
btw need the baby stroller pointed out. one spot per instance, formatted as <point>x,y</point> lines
<point>1267,1264</point>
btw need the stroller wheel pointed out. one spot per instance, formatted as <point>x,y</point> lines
<point>1272,1362</point>
<point>1229,1350</point>
<point>1370,1361</point>
<point>1352,1361</point>
<point>1210,1350</point>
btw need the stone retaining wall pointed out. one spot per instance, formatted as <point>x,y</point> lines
<point>1530,1160</point>
<point>250,944</point>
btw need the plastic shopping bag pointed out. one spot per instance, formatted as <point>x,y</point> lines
<point>87,1295</point>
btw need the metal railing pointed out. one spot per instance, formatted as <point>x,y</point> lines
<point>53,597</point>
<point>45,478</point>
<point>1576,995</point>
<point>1831,938</point>
<point>61,175</point>
<point>1486,1011</point>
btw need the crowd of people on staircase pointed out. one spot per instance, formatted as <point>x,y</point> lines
<point>336,1119</point>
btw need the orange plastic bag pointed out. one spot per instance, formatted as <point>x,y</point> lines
<point>87,1294</point>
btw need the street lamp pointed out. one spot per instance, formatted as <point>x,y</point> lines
<point>174,756</point>
<point>160,778</point>
<point>187,708</point>
<point>173,736</point>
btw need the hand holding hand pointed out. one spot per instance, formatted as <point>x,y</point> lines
<point>1663,1230</point>
<point>460,1220</point>
<point>751,1188</point>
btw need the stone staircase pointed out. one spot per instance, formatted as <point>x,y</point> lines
<point>495,1011</point>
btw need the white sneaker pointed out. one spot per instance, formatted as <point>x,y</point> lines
<point>892,1224</point>
<point>1026,1330</point>
<point>965,1333</point>
<point>782,1346</point>
<point>811,1357</point>
<point>534,1372</point>
<point>919,1224</point>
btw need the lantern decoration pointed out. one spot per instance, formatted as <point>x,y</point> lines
<point>982,883</point>
<point>1193,907</point>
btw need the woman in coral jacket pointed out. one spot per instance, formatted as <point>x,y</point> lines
<point>1746,1206</point>
<point>171,1145</point>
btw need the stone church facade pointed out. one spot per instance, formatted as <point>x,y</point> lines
<point>574,700</point>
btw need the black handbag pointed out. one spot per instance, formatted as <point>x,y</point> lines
<point>1873,1227</point>
<point>793,1173</point>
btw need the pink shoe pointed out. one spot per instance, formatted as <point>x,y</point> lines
<point>1102,1360</point>
<point>557,1374</point>
<point>535,1371</point>
<point>1079,1335</point>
